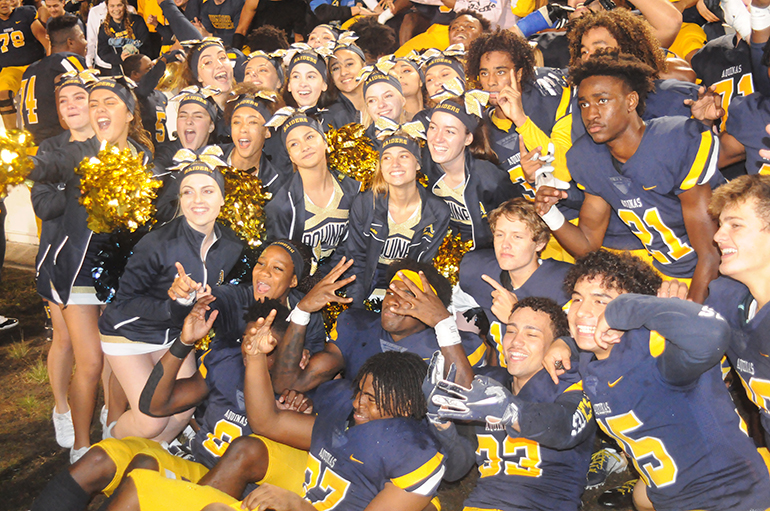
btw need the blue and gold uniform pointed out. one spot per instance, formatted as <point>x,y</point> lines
<point>750,345</point>
<point>547,282</point>
<point>18,45</point>
<point>746,122</point>
<point>39,111</point>
<point>664,401</point>
<point>675,154</point>
<point>348,465</point>
<point>359,334</point>
<point>544,468</point>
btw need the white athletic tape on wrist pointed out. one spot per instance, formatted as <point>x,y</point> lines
<point>299,317</point>
<point>554,219</point>
<point>447,333</point>
<point>386,15</point>
<point>760,18</point>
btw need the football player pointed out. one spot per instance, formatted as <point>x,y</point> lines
<point>38,97</point>
<point>650,368</point>
<point>656,176</point>
<point>22,41</point>
<point>495,279</point>
<point>533,437</point>
<point>742,207</point>
<point>414,318</point>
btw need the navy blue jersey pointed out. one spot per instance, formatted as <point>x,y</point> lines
<point>348,465</point>
<point>750,344</point>
<point>221,19</point>
<point>747,121</point>
<point>39,111</point>
<point>524,474</point>
<point>675,155</point>
<point>547,281</point>
<point>18,45</point>
<point>725,63</point>
<point>359,334</point>
<point>685,441</point>
<point>225,417</point>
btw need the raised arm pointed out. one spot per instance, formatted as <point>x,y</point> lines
<point>665,19</point>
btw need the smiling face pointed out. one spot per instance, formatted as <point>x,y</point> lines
<point>528,335</point>
<point>365,407</point>
<point>306,147</point>
<point>215,69</point>
<point>193,126</point>
<point>320,36</point>
<point>464,30</point>
<point>116,9</point>
<point>6,8</point>
<point>744,241</point>
<point>436,76</point>
<point>411,84</point>
<point>514,247</point>
<point>200,200</point>
<point>249,132</point>
<point>606,107</point>
<point>589,299</point>
<point>273,275</point>
<point>399,167</point>
<point>109,116</point>
<point>73,107</point>
<point>306,85</point>
<point>447,138</point>
<point>384,99</point>
<point>596,39</point>
<point>344,69</point>
<point>495,73</point>
<point>261,73</point>
<point>397,325</point>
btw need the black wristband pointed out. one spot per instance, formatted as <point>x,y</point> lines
<point>238,41</point>
<point>179,349</point>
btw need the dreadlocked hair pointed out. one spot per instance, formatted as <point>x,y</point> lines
<point>126,21</point>
<point>633,34</point>
<point>559,323</point>
<point>620,271</point>
<point>136,129</point>
<point>481,147</point>
<point>637,75</point>
<point>505,41</point>
<point>440,283</point>
<point>397,381</point>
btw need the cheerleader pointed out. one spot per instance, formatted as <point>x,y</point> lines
<point>440,68</point>
<point>396,219</point>
<point>412,84</point>
<point>344,66</point>
<point>459,172</point>
<point>312,206</point>
<point>263,70</point>
<point>306,81</point>
<point>322,35</point>
<point>383,97</point>
<point>67,264</point>
<point>140,324</point>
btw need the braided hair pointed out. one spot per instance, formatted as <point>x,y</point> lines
<point>397,381</point>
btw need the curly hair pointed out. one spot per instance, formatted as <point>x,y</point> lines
<point>620,271</point>
<point>374,38</point>
<point>633,34</point>
<point>439,282</point>
<point>486,26</point>
<point>635,74</point>
<point>267,38</point>
<point>397,380</point>
<point>517,48</point>
<point>740,190</point>
<point>559,323</point>
<point>137,132</point>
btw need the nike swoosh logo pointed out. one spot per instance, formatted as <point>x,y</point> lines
<point>766,356</point>
<point>353,459</point>
<point>650,188</point>
<point>615,382</point>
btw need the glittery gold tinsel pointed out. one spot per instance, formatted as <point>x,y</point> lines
<point>351,153</point>
<point>14,164</point>
<point>422,179</point>
<point>450,253</point>
<point>244,201</point>
<point>203,344</point>
<point>330,313</point>
<point>117,190</point>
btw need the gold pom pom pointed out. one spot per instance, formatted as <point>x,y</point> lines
<point>351,152</point>
<point>203,344</point>
<point>15,165</point>
<point>330,313</point>
<point>244,201</point>
<point>117,190</point>
<point>450,253</point>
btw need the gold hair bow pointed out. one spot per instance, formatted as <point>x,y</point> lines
<point>211,155</point>
<point>387,127</point>
<point>453,51</point>
<point>383,65</point>
<point>87,76</point>
<point>206,92</point>
<point>192,42</point>
<point>452,89</point>
<point>282,115</point>
<point>476,101</point>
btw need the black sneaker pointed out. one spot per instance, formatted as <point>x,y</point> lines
<point>620,497</point>
<point>8,323</point>
<point>603,463</point>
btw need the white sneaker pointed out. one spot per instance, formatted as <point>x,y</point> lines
<point>103,417</point>
<point>65,431</point>
<point>107,432</point>
<point>76,454</point>
<point>8,323</point>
